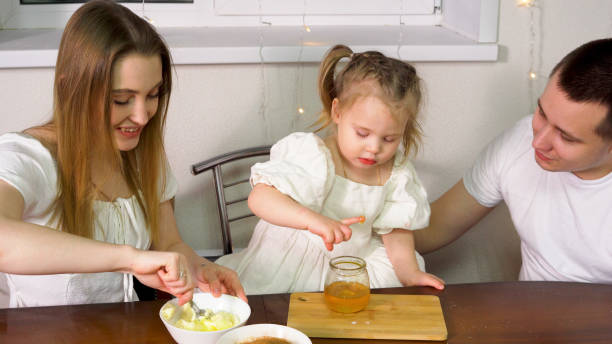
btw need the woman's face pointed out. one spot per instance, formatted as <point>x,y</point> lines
<point>136,82</point>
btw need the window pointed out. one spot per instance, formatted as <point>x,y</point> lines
<point>47,2</point>
<point>242,31</point>
<point>181,13</point>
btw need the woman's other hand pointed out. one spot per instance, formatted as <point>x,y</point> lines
<point>218,280</point>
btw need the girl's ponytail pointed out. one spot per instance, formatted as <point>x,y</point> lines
<point>327,89</point>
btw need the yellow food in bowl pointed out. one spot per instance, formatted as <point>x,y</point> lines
<point>188,320</point>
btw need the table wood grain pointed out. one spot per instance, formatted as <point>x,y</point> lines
<point>505,312</point>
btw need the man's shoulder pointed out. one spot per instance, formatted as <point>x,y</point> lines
<point>513,144</point>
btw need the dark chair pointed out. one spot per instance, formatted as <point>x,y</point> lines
<point>222,185</point>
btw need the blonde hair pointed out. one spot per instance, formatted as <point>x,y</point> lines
<point>395,82</point>
<point>97,35</point>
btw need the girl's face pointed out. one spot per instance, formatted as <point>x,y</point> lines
<point>368,134</point>
<point>136,81</point>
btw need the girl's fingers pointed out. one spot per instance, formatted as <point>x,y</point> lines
<point>346,232</point>
<point>432,281</point>
<point>339,236</point>
<point>352,220</point>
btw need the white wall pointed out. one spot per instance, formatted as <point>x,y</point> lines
<point>215,108</point>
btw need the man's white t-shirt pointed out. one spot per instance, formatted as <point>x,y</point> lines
<point>564,222</point>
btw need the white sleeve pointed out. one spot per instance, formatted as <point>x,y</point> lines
<point>171,187</point>
<point>300,166</point>
<point>483,180</point>
<point>28,167</point>
<point>406,206</point>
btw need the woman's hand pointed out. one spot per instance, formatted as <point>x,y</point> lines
<point>331,231</point>
<point>218,280</point>
<point>166,271</point>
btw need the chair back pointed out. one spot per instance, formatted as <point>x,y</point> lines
<point>221,185</point>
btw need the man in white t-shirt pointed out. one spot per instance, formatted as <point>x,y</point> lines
<point>554,171</point>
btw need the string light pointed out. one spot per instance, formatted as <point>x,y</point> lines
<point>533,75</point>
<point>144,16</point>
<point>262,106</point>
<point>534,38</point>
<point>525,3</point>
<point>300,68</point>
<point>400,37</point>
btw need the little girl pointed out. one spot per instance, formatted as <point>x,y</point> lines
<point>312,190</point>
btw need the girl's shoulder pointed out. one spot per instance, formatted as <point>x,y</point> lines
<point>403,169</point>
<point>299,145</point>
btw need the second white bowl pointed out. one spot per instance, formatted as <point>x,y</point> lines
<point>250,332</point>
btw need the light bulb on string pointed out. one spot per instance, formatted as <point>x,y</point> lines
<point>533,75</point>
<point>534,46</point>
<point>301,110</point>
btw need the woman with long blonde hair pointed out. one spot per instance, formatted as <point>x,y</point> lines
<point>84,197</point>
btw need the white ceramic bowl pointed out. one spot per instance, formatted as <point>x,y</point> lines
<point>226,303</point>
<point>250,332</point>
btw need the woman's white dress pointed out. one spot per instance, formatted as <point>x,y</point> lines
<point>29,167</point>
<point>281,259</point>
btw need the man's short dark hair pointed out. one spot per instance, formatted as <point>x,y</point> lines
<point>585,75</point>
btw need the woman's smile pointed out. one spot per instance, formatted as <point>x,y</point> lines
<point>129,132</point>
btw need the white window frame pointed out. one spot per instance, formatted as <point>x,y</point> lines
<point>231,13</point>
<point>228,31</point>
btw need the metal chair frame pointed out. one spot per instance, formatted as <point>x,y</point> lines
<point>215,164</point>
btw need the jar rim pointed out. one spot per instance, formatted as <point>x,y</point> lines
<point>361,264</point>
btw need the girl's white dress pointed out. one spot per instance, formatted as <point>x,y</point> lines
<point>28,166</point>
<point>281,259</point>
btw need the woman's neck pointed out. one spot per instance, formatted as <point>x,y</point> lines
<point>107,178</point>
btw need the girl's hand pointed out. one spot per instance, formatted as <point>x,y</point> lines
<point>166,271</point>
<point>331,231</point>
<point>420,278</point>
<point>218,280</point>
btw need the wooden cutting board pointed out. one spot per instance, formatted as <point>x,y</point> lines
<point>407,317</point>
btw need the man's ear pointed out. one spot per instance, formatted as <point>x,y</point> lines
<point>335,110</point>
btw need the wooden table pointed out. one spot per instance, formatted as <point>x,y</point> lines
<point>508,312</point>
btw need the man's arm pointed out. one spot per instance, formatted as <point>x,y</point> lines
<point>451,215</point>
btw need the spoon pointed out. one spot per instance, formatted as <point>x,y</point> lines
<point>198,312</point>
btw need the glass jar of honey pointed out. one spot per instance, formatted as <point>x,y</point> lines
<point>347,284</point>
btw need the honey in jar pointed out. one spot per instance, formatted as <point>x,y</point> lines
<point>347,285</point>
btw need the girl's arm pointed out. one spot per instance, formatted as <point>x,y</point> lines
<point>277,208</point>
<point>209,276</point>
<point>29,249</point>
<point>399,245</point>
